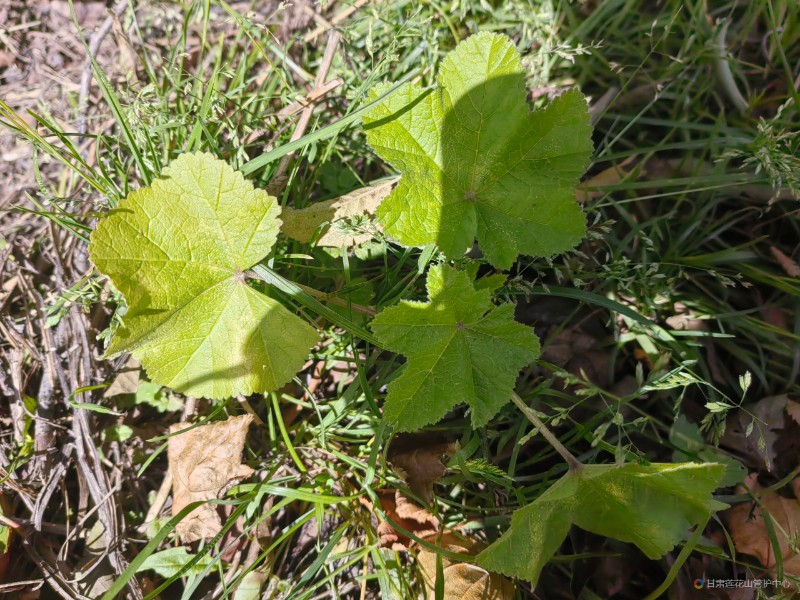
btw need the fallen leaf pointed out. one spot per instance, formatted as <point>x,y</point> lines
<point>301,224</point>
<point>750,533</point>
<point>793,410</point>
<point>578,353</point>
<point>768,419</point>
<point>126,381</point>
<point>406,514</point>
<point>685,319</point>
<point>462,581</point>
<point>606,178</point>
<point>205,462</point>
<point>419,459</point>
<point>787,264</point>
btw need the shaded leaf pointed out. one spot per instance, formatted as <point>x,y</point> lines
<point>460,348</point>
<point>477,163</point>
<point>178,251</point>
<point>420,459</point>
<point>749,528</point>
<point>205,462</point>
<point>689,444</point>
<point>651,506</point>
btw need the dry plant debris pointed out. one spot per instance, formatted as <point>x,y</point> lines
<point>340,217</point>
<point>749,528</point>
<point>406,514</point>
<point>462,580</point>
<point>205,462</point>
<point>420,461</point>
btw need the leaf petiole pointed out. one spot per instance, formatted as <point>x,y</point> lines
<point>305,297</point>
<point>573,463</point>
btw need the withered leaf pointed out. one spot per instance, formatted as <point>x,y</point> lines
<point>126,380</point>
<point>462,581</point>
<point>301,224</point>
<point>406,514</point>
<point>793,410</point>
<point>205,462</point>
<point>750,533</point>
<point>768,421</point>
<point>611,176</point>
<point>787,264</point>
<point>420,460</point>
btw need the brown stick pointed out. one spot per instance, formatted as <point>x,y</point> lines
<point>86,78</point>
<point>338,18</point>
<point>573,463</point>
<point>279,179</point>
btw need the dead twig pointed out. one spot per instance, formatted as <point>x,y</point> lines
<point>338,18</point>
<point>94,45</point>
<point>50,572</point>
<point>311,98</point>
<point>279,179</point>
<point>89,461</point>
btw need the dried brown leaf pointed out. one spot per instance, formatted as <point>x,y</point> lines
<point>406,514</point>
<point>462,581</point>
<point>749,531</point>
<point>420,460</point>
<point>606,178</point>
<point>301,224</point>
<point>768,418</point>
<point>126,381</point>
<point>205,462</point>
<point>793,410</point>
<point>686,319</point>
<point>787,264</point>
<point>577,352</point>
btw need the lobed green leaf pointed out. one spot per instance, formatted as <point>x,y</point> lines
<point>460,348</point>
<point>177,251</point>
<point>652,506</point>
<point>477,163</point>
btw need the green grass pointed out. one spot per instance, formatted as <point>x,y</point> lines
<point>688,230</point>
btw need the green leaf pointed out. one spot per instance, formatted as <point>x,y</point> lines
<point>170,561</point>
<point>477,163</point>
<point>689,444</point>
<point>5,536</point>
<point>152,394</point>
<point>178,251</point>
<point>117,433</point>
<point>651,506</point>
<point>460,348</point>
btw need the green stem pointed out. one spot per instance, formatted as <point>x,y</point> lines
<point>332,299</point>
<point>573,463</point>
<point>267,275</point>
<point>285,434</point>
